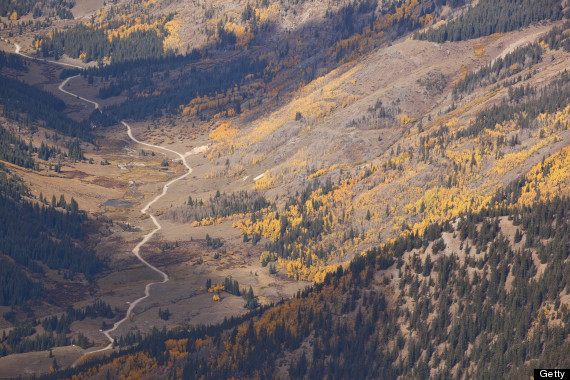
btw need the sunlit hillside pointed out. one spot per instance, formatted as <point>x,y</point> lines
<point>283,189</point>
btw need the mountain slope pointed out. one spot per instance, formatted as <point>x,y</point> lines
<point>420,183</point>
<point>482,297</point>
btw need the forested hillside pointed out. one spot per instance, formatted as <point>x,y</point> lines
<point>153,87</point>
<point>114,40</point>
<point>26,104</point>
<point>26,337</point>
<point>37,234</point>
<point>409,159</point>
<point>36,238</point>
<point>14,150</point>
<point>33,236</point>
<point>17,9</point>
<point>495,16</point>
<point>476,297</point>
<point>558,37</point>
<point>12,61</point>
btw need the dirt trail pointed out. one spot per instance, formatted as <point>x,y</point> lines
<point>136,250</point>
<point>145,210</point>
<point>60,88</point>
<point>18,48</point>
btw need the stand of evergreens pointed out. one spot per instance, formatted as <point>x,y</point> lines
<point>11,185</point>
<point>22,339</point>
<point>94,44</point>
<point>557,38</point>
<point>34,234</point>
<point>14,150</point>
<point>39,106</point>
<point>16,288</point>
<point>12,61</point>
<point>517,61</point>
<point>494,16</point>
<point>226,76</point>
<point>550,99</point>
<point>220,206</point>
<point>292,240</point>
<point>24,7</point>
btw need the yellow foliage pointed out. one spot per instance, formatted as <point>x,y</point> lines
<point>319,277</point>
<point>223,132</point>
<point>514,160</point>
<point>321,172</point>
<point>216,297</point>
<point>541,187</point>
<point>479,48</point>
<point>124,30</point>
<point>186,110</point>
<point>219,287</point>
<point>131,366</point>
<point>267,256</point>
<point>14,16</point>
<point>401,158</point>
<point>172,41</point>
<point>176,348</point>
<point>243,36</point>
<point>272,230</point>
<point>200,104</point>
<point>479,52</point>
<point>447,203</point>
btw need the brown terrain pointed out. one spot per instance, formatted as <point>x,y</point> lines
<point>271,151</point>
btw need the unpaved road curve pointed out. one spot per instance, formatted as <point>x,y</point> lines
<point>136,250</point>
<point>60,88</point>
<point>18,48</point>
<point>145,210</point>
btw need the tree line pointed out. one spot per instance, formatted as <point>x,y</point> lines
<point>219,206</point>
<point>37,8</point>
<point>522,58</point>
<point>91,42</point>
<point>494,16</point>
<point>12,61</point>
<point>557,37</point>
<point>33,234</point>
<point>19,98</point>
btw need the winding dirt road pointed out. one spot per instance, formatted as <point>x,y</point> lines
<point>136,250</point>
<point>18,48</point>
<point>60,88</point>
<point>145,210</point>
